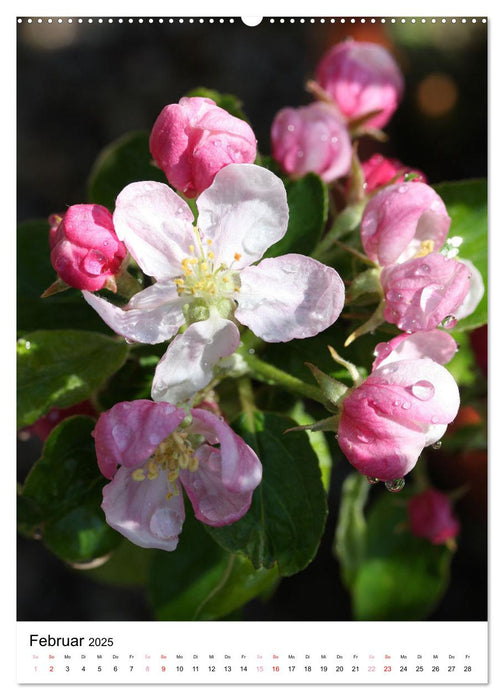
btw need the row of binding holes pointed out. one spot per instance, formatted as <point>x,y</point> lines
<point>272,20</point>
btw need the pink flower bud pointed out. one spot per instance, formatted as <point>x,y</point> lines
<point>193,139</point>
<point>430,516</point>
<point>379,171</point>
<point>436,345</point>
<point>311,139</point>
<point>424,292</point>
<point>85,250</point>
<point>361,78</point>
<point>402,407</point>
<point>403,220</point>
<point>43,427</point>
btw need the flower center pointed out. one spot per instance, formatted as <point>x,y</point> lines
<point>203,278</point>
<point>426,247</point>
<point>171,455</point>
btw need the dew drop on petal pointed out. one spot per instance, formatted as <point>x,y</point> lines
<point>406,404</point>
<point>290,127</point>
<point>372,480</point>
<point>449,321</point>
<point>363,438</point>
<point>122,435</point>
<point>437,445</point>
<point>422,390</point>
<point>395,486</point>
<point>403,189</point>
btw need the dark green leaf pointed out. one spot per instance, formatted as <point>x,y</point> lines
<point>65,487</point>
<point>128,565</point>
<point>62,368</point>
<point>466,202</point>
<point>230,103</point>
<point>402,577</point>
<point>126,160</point>
<point>308,205</point>
<point>350,542</point>
<point>34,275</point>
<point>286,519</point>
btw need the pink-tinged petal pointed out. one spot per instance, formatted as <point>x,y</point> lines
<point>130,431</point>
<point>187,365</point>
<point>421,293</point>
<point>435,345</point>
<point>401,408</point>
<point>141,511</point>
<point>399,218</point>
<point>243,212</point>
<point>288,297</point>
<point>475,293</point>
<point>214,504</point>
<point>156,227</point>
<point>151,316</point>
<point>241,469</point>
<point>379,171</point>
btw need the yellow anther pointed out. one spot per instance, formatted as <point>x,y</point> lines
<point>193,261</point>
<point>204,266</point>
<point>193,464</point>
<point>138,475</point>
<point>426,247</point>
<point>179,281</point>
<point>209,241</point>
<point>225,279</point>
<point>211,255</point>
<point>237,256</point>
<point>237,289</point>
<point>171,475</point>
<point>191,248</point>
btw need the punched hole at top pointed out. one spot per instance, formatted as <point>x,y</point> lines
<point>251,21</point>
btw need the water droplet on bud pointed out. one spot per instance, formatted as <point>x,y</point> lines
<point>437,445</point>
<point>395,486</point>
<point>372,480</point>
<point>449,321</point>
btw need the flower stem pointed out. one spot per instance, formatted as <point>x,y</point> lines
<point>269,374</point>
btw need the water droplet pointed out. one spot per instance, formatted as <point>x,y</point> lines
<point>396,403</point>
<point>334,139</point>
<point>324,137</point>
<point>434,420</point>
<point>300,154</point>
<point>372,480</point>
<point>105,243</point>
<point>406,404</point>
<point>437,445</point>
<point>363,438</point>
<point>449,321</point>
<point>129,341</point>
<point>197,484</point>
<point>403,189</point>
<point>422,390</point>
<point>395,486</point>
<point>393,296</point>
<point>27,345</point>
<point>122,435</point>
<point>290,127</point>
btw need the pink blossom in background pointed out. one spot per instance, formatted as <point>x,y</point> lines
<point>311,139</point>
<point>403,220</point>
<point>423,292</point>
<point>193,139</point>
<point>379,171</point>
<point>206,276</point>
<point>85,250</point>
<point>43,427</point>
<point>157,456</point>
<point>431,516</point>
<point>361,77</point>
<point>402,407</point>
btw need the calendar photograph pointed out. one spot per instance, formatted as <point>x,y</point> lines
<point>252,319</point>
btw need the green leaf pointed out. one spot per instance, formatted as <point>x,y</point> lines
<point>239,584</point>
<point>230,103</point>
<point>286,520</point>
<point>402,577</point>
<point>62,368</point>
<point>350,541</point>
<point>308,206</point>
<point>317,441</point>
<point>466,202</point>
<point>34,275</point>
<point>126,160</point>
<point>128,565</point>
<point>65,487</point>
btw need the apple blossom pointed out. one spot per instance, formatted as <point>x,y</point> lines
<point>193,139</point>
<point>159,450</point>
<point>424,292</point>
<point>205,276</point>
<point>378,171</point>
<point>431,516</point>
<point>85,250</point>
<point>361,78</point>
<point>403,406</point>
<point>311,139</point>
<point>403,220</point>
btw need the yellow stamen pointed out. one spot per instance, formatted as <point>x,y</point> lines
<point>426,247</point>
<point>237,256</point>
<point>138,475</point>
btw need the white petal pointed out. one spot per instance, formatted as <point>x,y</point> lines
<point>475,294</point>
<point>151,316</point>
<point>288,297</point>
<point>244,211</point>
<point>187,366</point>
<point>156,227</point>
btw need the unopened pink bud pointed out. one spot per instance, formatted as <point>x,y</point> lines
<point>85,250</point>
<point>43,426</point>
<point>311,139</point>
<point>430,515</point>
<point>361,78</point>
<point>193,139</point>
<point>403,220</point>
<point>422,293</point>
<point>380,171</point>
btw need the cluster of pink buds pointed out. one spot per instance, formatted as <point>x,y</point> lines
<point>356,82</point>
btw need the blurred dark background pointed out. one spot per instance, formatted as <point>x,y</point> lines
<point>82,85</point>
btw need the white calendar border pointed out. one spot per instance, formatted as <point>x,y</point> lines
<point>276,8</point>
